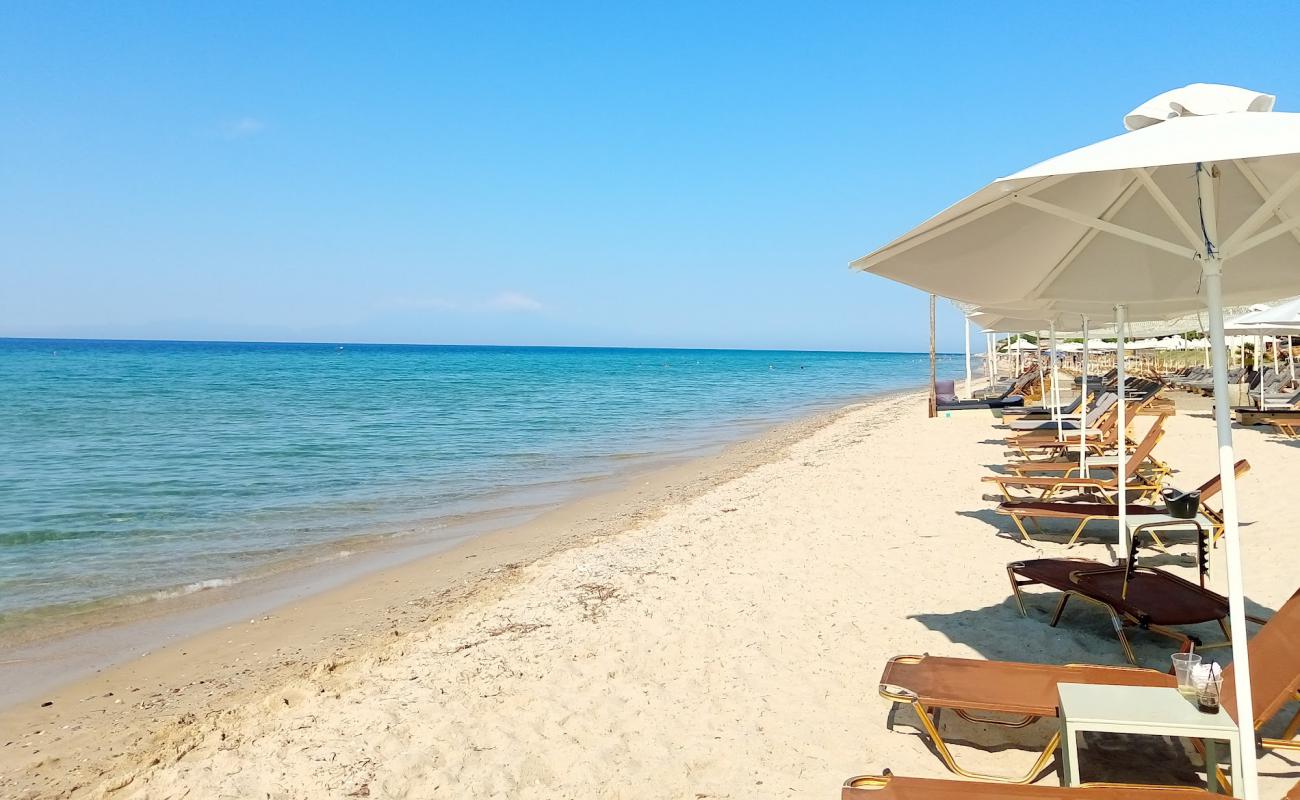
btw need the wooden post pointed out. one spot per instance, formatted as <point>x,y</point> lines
<point>934,400</point>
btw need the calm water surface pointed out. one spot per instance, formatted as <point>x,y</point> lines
<point>136,470</point>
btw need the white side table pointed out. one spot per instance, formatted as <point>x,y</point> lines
<point>1144,710</point>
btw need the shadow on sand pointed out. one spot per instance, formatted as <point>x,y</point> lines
<point>1084,635</point>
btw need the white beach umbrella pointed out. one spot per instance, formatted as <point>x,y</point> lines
<point>1183,213</point>
<point>1280,320</point>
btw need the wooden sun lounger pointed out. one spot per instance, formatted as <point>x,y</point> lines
<point>893,787</point>
<point>1085,512</point>
<point>978,690</point>
<point>1142,597</point>
<point>1142,485</point>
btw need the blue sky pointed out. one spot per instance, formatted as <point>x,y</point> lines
<point>507,173</point>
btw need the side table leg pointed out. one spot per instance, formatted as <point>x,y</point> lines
<point>1069,754</point>
<point>1211,765</point>
<point>1235,755</point>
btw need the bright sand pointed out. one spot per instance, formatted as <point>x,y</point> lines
<point>714,631</point>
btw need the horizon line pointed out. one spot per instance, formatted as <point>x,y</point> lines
<point>499,346</point>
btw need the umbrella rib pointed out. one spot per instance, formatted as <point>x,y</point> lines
<point>1262,191</point>
<point>1266,210</point>
<point>1260,238</point>
<point>900,247</point>
<point>1167,206</point>
<point>1084,240</point>
<point>1104,226</point>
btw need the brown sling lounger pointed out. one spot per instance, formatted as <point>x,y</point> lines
<point>1142,597</point>
<point>1085,512</point>
<point>974,689</point>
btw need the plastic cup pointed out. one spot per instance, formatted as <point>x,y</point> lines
<point>1208,689</point>
<point>1185,665</point>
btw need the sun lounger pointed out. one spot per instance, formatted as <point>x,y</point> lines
<point>894,787</point>
<point>1143,597</point>
<point>1141,484</point>
<point>1023,693</point>
<point>1284,422</point>
<point>946,399</point>
<point>1019,387</point>
<point>1104,403</point>
<point>1085,512</point>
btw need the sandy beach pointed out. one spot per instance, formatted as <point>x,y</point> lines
<point>714,630</point>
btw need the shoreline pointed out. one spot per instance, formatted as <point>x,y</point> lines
<point>114,630</point>
<point>149,668</point>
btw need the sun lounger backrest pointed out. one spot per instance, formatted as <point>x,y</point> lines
<point>1145,446</point>
<point>1104,403</point>
<point>1211,487</point>
<point>1274,664</point>
<point>1020,383</point>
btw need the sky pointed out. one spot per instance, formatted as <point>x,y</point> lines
<point>652,174</point>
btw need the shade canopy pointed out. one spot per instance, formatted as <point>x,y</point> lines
<point>1280,320</point>
<point>1119,222</point>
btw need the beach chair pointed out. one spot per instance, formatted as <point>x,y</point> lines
<point>946,399</point>
<point>1144,483</point>
<point>1099,433</point>
<point>1104,402</point>
<point>893,787</point>
<point>1018,388</point>
<point>1134,596</point>
<point>1039,412</point>
<point>1284,422</point>
<point>1082,513</point>
<point>977,690</point>
<point>1066,464</point>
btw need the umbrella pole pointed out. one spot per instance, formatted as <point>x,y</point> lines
<point>1083,404</point>
<point>990,360</point>
<point>1290,356</point>
<point>1277,368</point>
<point>968,375</point>
<point>1056,384</point>
<point>1259,369</point>
<point>1121,431</point>
<point>934,400</point>
<point>1212,267</point>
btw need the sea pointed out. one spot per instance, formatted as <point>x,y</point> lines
<point>135,471</point>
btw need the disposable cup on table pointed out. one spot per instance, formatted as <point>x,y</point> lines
<point>1185,665</point>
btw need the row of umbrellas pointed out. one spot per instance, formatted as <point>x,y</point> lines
<point>1195,208</point>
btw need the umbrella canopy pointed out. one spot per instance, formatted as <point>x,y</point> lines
<point>1282,320</point>
<point>1020,344</point>
<point>1182,213</point>
<point>1115,222</point>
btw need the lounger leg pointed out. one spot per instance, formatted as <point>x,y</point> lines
<point>1155,538</point>
<point>1024,534</point>
<point>1123,638</point>
<point>1060,609</point>
<point>1074,538</point>
<point>941,747</point>
<point>1015,591</point>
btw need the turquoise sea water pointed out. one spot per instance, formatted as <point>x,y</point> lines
<point>134,470</point>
